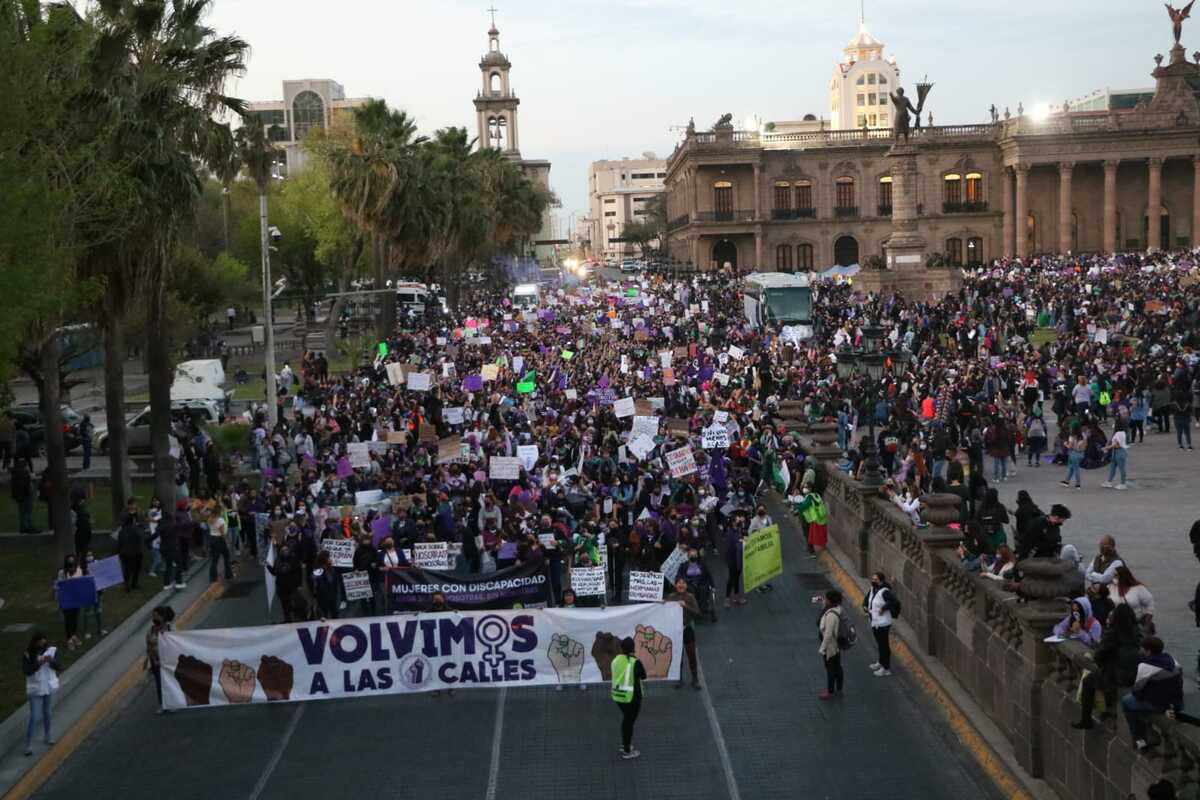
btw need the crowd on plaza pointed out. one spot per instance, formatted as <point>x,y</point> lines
<point>593,388</point>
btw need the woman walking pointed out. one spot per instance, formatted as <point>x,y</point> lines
<point>1119,448</point>
<point>1076,447</point>
<point>40,664</point>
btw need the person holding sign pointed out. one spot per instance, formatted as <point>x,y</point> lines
<point>691,612</point>
<point>627,676</point>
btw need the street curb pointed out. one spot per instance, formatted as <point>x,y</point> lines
<point>12,729</point>
<point>975,731</point>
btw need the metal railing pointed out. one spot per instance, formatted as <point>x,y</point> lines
<point>793,213</point>
<point>739,215</point>
<point>885,210</point>
<point>842,212</point>
<point>964,208</point>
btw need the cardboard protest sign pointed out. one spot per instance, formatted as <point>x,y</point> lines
<point>735,351</point>
<point>623,408</point>
<point>395,373</point>
<point>490,372</point>
<point>645,426</point>
<point>502,468</point>
<point>670,567</point>
<point>359,454</point>
<point>449,449</point>
<point>681,462</point>
<point>641,446</point>
<point>358,586</point>
<point>528,455</point>
<point>397,437</point>
<point>588,581</point>
<point>419,381</point>
<point>429,555</point>
<point>645,587</point>
<point>453,415</point>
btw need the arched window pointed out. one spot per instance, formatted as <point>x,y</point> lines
<point>974,194</point>
<point>783,257</point>
<point>952,193</point>
<point>885,196</point>
<point>723,200</point>
<point>844,200</point>
<point>954,252</point>
<point>804,256</point>
<point>974,251</point>
<point>495,83</point>
<point>783,200</point>
<point>497,131</point>
<point>845,251</point>
<point>804,201</point>
<point>308,112</point>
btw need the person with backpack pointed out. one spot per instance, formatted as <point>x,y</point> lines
<point>836,634</point>
<point>882,606</point>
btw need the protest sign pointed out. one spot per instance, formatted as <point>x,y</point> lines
<point>528,455</point>
<point>547,540</point>
<point>623,408</point>
<point>341,550</point>
<point>681,462</point>
<point>645,587</point>
<point>715,436</point>
<point>368,498</point>
<point>762,557</point>
<point>1101,336</point>
<point>449,449</point>
<point>397,437</point>
<point>735,351</point>
<point>588,581</point>
<point>572,394</point>
<point>513,587</point>
<point>371,657</point>
<point>107,572</point>
<point>395,373</point>
<point>645,426</point>
<point>429,555</point>
<point>502,468</point>
<point>419,381</point>
<point>641,446</point>
<point>721,417</point>
<point>358,586</point>
<point>453,415</point>
<point>76,592</point>
<point>428,433</point>
<point>490,372</point>
<point>664,359</point>
<point>670,567</point>
<point>657,403</point>
<point>359,454</point>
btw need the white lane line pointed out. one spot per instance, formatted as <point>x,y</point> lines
<point>497,733</point>
<point>715,724</point>
<point>269,769</point>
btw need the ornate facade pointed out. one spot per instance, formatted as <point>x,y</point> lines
<point>1073,181</point>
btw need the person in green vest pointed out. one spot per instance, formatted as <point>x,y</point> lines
<point>627,676</point>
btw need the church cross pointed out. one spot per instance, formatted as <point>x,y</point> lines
<point>493,11</point>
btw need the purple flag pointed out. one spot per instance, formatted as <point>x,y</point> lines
<point>344,470</point>
<point>603,382</point>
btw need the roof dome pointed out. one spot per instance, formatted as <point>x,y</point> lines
<point>493,31</point>
<point>864,40</point>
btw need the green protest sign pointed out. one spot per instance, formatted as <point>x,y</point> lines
<point>383,349</point>
<point>528,383</point>
<point>567,355</point>
<point>762,558</point>
<point>631,292</point>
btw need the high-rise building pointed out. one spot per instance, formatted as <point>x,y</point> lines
<point>306,105</point>
<point>618,193</point>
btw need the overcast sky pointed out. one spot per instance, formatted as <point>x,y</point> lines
<point>610,79</point>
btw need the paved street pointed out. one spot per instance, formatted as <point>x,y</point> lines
<point>762,673</point>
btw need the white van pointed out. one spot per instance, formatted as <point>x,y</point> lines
<point>201,379</point>
<point>412,296</point>
<point>525,296</point>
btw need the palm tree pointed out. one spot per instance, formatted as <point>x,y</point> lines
<point>159,77</point>
<point>259,155</point>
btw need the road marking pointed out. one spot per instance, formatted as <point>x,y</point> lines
<point>715,724</point>
<point>269,769</point>
<point>497,733</point>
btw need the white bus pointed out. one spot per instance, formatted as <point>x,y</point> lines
<point>780,299</point>
<point>525,296</point>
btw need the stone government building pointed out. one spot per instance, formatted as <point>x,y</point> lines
<point>806,195</point>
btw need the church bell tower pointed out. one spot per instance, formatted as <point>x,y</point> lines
<point>495,104</point>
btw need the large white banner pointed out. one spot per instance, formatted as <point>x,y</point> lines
<point>373,656</point>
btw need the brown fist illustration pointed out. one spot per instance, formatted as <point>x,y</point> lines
<point>276,678</point>
<point>653,649</point>
<point>195,679</point>
<point>605,648</point>
<point>237,681</point>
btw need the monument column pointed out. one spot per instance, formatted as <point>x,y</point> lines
<point>905,248</point>
<point>1196,201</point>
<point>1154,206</point>
<point>1022,213</point>
<point>1065,173</point>
<point>1006,247</point>
<point>758,192</point>
<point>1110,206</point>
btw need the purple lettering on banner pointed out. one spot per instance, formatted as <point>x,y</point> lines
<point>472,383</point>
<point>314,648</point>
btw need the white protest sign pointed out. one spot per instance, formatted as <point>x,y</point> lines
<point>429,555</point>
<point>342,551</point>
<point>722,378</point>
<point>588,581</point>
<point>502,468</point>
<point>528,455</point>
<point>419,381</point>
<point>664,359</point>
<point>395,374</point>
<point>735,351</point>
<point>645,426</point>
<point>359,454</point>
<point>715,436</point>
<point>572,394</point>
<point>657,403</point>
<point>358,586</point>
<point>670,567</point>
<point>547,540</point>
<point>623,407</point>
<point>645,587</point>
<point>641,446</point>
<point>518,365</point>
<point>1102,336</point>
<point>681,462</point>
<point>453,415</point>
<point>721,416</point>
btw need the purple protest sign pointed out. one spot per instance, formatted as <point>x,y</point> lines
<point>603,382</point>
<point>547,315</point>
<point>472,383</point>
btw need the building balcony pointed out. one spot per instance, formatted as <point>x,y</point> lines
<point>844,212</point>
<point>793,213</point>
<point>885,210</point>
<point>738,215</point>
<point>964,208</point>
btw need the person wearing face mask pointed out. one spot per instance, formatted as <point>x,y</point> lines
<point>288,578</point>
<point>699,582</point>
<point>691,612</point>
<point>41,666</point>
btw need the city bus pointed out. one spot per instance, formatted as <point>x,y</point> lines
<point>780,300</point>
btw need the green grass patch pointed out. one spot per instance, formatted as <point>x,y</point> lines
<point>100,504</point>
<point>1043,335</point>
<point>253,390</point>
<point>29,570</point>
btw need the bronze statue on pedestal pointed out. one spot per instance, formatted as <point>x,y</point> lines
<point>903,106</point>
<point>1177,18</point>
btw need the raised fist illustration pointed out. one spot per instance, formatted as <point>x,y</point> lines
<point>605,648</point>
<point>653,649</point>
<point>276,678</point>
<point>566,655</point>
<point>237,681</point>
<point>195,679</point>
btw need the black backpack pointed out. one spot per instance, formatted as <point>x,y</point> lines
<point>892,601</point>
